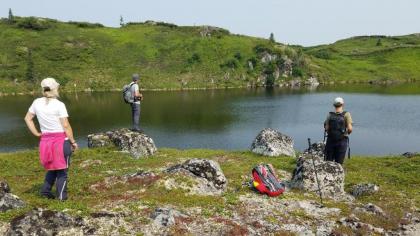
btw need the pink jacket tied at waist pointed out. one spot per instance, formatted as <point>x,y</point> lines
<point>51,151</point>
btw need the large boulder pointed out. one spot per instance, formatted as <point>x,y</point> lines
<point>136,143</point>
<point>330,174</point>
<point>46,222</point>
<point>8,201</point>
<point>270,142</point>
<point>207,175</point>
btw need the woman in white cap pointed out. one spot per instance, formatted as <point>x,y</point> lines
<point>338,125</point>
<point>56,138</point>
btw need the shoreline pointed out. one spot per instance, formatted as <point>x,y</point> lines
<point>301,84</point>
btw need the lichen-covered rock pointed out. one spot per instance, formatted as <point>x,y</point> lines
<point>164,217</point>
<point>270,142</point>
<point>364,189</point>
<point>136,143</point>
<point>330,174</point>
<point>355,224</point>
<point>99,140</point>
<point>208,176</point>
<point>8,201</point>
<point>371,208</point>
<point>46,222</point>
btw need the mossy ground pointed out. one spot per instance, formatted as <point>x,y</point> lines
<point>397,177</point>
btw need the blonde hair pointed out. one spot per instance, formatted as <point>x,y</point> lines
<point>53,93</point>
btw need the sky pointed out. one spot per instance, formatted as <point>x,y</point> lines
<point>303,22</point>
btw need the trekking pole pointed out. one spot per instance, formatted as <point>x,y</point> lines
<point>348,146</point>
<point>316,173</point>
<point>325,146</point>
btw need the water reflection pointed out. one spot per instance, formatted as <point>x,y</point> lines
<point>230,119</point>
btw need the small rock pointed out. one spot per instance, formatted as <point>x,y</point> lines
<point>8,201</point>
<point>46,222</point>
<point>364,189</point>
<point>207,173</point>
<point>270,142</point>
<point>371,208</point>
<point>164,217</point>
<point>99,140</point>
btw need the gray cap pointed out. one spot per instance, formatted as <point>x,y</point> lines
<point>135,77</point>
<point>338,101</point>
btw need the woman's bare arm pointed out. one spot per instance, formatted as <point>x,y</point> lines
<point>69,131</point>
<point>29,120</point>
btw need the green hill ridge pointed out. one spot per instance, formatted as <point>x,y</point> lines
<point>86,56</point>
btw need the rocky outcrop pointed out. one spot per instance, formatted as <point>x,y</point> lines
<point>330,174</point>
<point>207,175</point>
<point>136,143</point>
<point>364,189</point>
<point>46,222</point>
<point>410,154</point>
<point>8,201</point>
<point>270,142</point>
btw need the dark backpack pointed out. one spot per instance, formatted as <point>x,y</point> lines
<point>337,126</point>
<point>127,95</point>
<point>265,181</point>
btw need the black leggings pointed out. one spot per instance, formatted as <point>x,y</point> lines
<point>336,150</point>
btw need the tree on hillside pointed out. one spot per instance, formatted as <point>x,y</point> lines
<point>11,18</point>
<point>379,42</point>
<point>122,21</point>
<point>30,74</point>
<point>272,40</point>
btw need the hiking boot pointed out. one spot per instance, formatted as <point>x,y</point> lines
<point>48,195</point>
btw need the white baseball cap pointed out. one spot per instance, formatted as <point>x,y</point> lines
<point>338,101</point>
<point>49,83</point>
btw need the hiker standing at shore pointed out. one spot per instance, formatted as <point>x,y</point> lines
<point>56,138</point>
<point>132,95</point>
<point>338,126</point>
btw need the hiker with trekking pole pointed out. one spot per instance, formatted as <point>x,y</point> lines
<point>338,126</point>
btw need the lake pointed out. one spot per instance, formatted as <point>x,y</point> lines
<point>386,117</point>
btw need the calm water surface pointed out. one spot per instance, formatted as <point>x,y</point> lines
<point>387,119</point>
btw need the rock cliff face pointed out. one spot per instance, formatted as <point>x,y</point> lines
<point>270,142</point>
<point>137,144</point>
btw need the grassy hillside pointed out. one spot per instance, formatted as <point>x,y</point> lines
<point>167,56</point>
<point>90,56</point>
<point>397,177</point>
<point>368,58</point>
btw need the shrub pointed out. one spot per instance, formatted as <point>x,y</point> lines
<point>231,63</point>
<point>34,23</point>
<point>323,54</point>
<point>86,24</point>
<point>195,58</point>
<point>238,56</point>
<point>297,72</point>
<point>261,49</point>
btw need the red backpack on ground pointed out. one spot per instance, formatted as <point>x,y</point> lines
<point>265,181</point>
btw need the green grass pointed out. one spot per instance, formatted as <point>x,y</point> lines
<point>397,177</point>
<point>359,59</point>
<point>83,56</point>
